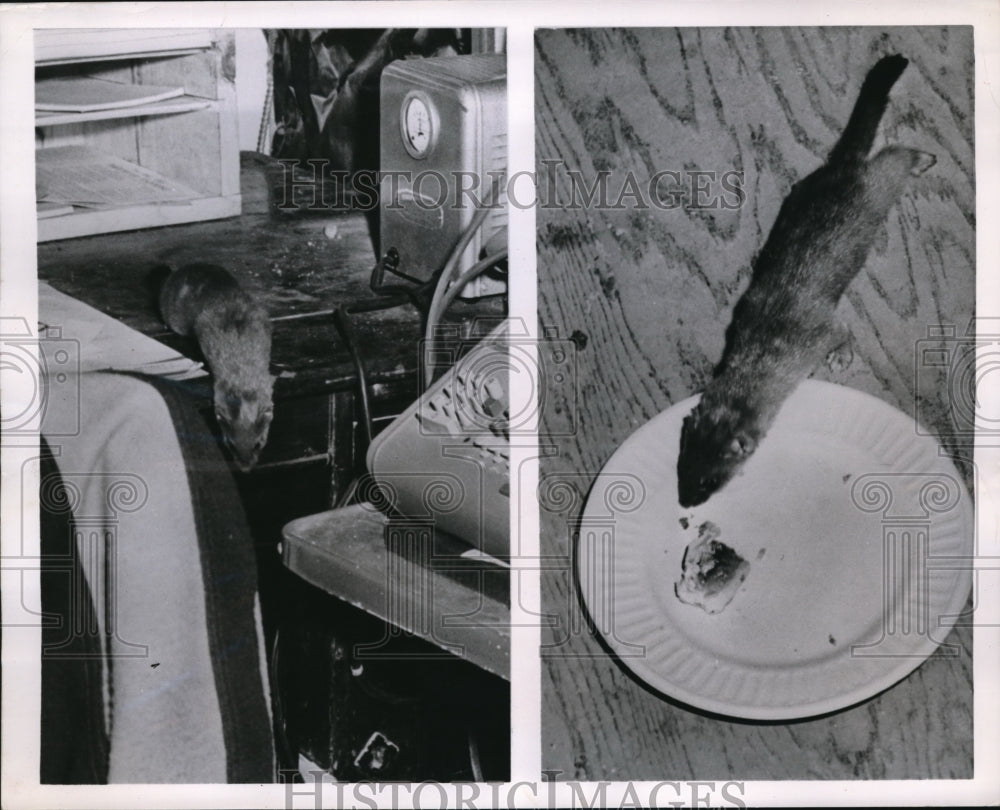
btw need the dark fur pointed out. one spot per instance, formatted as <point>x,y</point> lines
<point>351,132</point>
<point>234,334</point>
<point>783,326</point>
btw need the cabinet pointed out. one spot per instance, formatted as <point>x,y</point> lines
<point>111,157</point>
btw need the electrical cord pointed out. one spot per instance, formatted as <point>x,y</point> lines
<point>343,322</point>
<point>475,761</point>
<point>435,315</point>
<point>287,756</point>
<point>444,279</point>
<point>469,275</point>
<point>348,494</point>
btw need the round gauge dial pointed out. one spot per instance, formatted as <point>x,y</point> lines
<point>417,126</point>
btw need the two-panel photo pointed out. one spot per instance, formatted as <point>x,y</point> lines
<point>304,465</point>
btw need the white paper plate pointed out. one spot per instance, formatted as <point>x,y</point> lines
<point>855,527</point>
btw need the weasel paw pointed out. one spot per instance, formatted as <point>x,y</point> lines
<point>922,161</point>
<point>840,358</point>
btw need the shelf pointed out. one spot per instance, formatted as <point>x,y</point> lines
<point>409,574</point>
<point>82,176</point>
<point>120,196</point>
<point>55,46</point>
<point>171,106</point>
<point>133,217</point>
<point>152,140</point>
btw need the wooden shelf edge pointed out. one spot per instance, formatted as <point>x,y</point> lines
<point>112,220</point>
<point>63,46</point>
<point>343,553</point>
<point>172,106</point>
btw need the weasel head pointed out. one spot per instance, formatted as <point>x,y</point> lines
<point>244,417</point>
<point>716,440</point>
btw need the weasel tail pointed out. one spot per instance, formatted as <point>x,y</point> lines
<point>859,134</point>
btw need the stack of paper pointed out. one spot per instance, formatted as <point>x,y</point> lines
<point>104,343</point>
<point>79,175</point>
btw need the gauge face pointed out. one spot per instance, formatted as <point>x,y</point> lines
<point>417,126</point>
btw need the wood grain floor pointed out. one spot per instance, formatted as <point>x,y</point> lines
<point>646,294</point>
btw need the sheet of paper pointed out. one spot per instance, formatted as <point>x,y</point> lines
<point>101,342</point>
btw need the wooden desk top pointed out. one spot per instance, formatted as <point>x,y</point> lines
<point>408,575</point>
<point>646,295</point>
<point>302,265</point>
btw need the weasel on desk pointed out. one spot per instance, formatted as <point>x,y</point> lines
<point>234,334</point>
<point>783,326</point>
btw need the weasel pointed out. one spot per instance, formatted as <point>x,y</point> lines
<point>783,325</point>
<point>234,334</point>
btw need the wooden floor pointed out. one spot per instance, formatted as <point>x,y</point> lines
<point>646,295</point>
